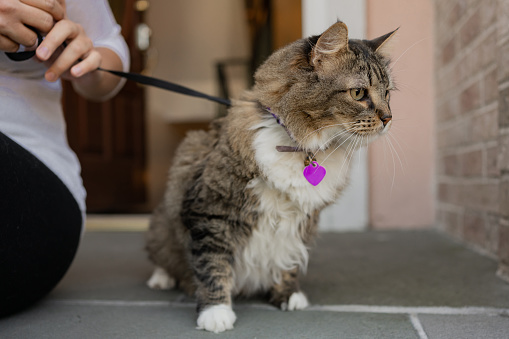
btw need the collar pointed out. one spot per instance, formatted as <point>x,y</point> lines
<point>284,148</point>
<point>310,156</point>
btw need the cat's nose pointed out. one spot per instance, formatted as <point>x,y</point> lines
<point>385,119</point>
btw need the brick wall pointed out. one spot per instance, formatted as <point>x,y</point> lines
<point>472,105</point>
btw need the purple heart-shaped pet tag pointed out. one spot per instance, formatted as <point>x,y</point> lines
<point>314,173</point>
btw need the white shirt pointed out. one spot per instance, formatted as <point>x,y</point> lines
<point>30,107</point>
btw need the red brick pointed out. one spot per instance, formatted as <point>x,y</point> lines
<point>503,107</point>
<point>456,13</point>
<point>470,65</point>
<point>449,193</point>
<point>472,163</point>
<point>492,168</point>
<point>487,50</point>
<point>448,52</point>
<point>488,11</point>
<point>449,109</point>
<point>492,232</point>
<point>454,135</point>
<point>451,165</point>
<point>504,198</point>
<point>490,86</point>
<point>470,29</point>
<point>470,98</point>
<point>474,230</point>
<point>485,126</point>
<point>503,244</point>
<point>483,196</point>
<point>503,158</point>
<point>503,19</point>
<point>503,62</point>
<point>450,222</point>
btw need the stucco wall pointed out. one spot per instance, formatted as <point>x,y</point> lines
<point>402,184</point>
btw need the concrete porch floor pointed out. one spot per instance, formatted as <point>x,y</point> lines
<point>395,284</point>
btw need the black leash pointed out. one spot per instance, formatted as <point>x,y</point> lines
<point>142,79</point>
<point>170,86</point>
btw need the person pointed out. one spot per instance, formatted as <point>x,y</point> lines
<point>42,199</point>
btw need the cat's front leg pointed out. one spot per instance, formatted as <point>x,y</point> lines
<point>287,295</point>
<point>214,280</point>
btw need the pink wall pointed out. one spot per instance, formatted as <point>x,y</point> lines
<point>402,186</point>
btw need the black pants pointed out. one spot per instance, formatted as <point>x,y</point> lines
<point>40,227</point>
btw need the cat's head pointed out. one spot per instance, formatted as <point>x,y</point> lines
<point>327,89</point>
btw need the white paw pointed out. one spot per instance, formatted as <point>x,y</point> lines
<point>297,301</point>
<point>216,319</point>
<point>161,280</point>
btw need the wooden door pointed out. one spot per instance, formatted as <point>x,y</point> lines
<point>109,137</point>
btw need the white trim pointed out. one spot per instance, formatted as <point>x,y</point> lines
<point>351,211</point>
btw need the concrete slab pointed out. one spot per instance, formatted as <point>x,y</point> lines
<point>54,321</point>
<point>465,326</point>
<point>361,285</point>
<point>419,268</point>
<point>416,268</point>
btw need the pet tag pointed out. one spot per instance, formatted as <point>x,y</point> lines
<point>314,173</point>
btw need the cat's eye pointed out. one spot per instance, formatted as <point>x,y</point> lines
<point>357,93</point>
<point>387,96</point>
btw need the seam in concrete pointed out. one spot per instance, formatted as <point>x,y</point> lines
<point>412,311</point>
<point>441,310</point>
<point>416,323</point>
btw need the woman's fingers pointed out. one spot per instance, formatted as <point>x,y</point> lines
<point>15,15</point>
<point>7,45</point>
<point>90,63</point>
<point>78,54</point>
<point>56,8</point>
<point>38,18</point>
<point>20,34</point>
<point>63,31</point>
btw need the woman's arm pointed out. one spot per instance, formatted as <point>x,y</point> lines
<point>80,58</point>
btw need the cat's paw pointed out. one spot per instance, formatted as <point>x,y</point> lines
<point>218,318</point>
<point>161,280</point>
<point>297,301</point>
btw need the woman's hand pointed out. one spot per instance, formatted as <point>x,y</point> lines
<point>78,61</point>
<point>78,58</point>
<point>16,14</point>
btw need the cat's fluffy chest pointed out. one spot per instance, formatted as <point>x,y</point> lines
<point>286,199</point>
<point>283,171</point>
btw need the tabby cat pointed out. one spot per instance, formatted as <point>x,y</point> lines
<point>243,199</point>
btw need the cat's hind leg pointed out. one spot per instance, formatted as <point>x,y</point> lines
<point>161,280</point>
<point>287,295</point>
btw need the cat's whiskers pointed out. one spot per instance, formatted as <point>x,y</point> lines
<point>321,128</point>
<point>337,135</point>
<point>393,149</point>
<point>361,147</point>
<point>393,165</point>
<point>391,135</point>
<point>335,149</point>
<point>349,155</point>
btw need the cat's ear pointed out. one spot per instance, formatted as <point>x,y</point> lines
<point>330,42</point>
<point>383,44</point>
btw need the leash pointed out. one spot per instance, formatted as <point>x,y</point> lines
<point>142,79</point>
<point>163,84</point>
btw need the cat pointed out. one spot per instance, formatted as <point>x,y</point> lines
<point>243,199</point>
